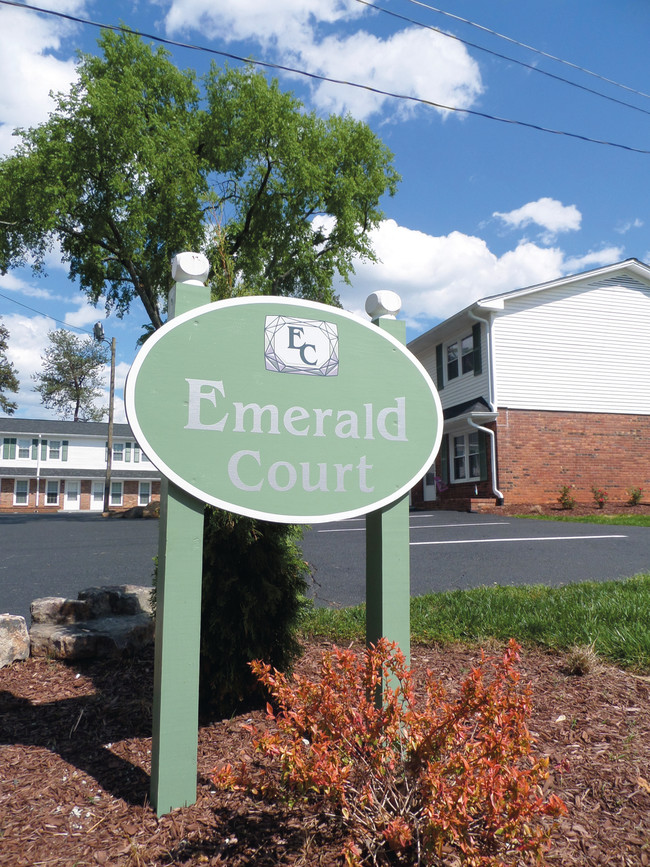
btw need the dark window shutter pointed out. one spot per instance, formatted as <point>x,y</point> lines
<point>43,450</point>
<point>136,453</point>
<point>127,452</point>
<point>34,449</point>
<point>444,459</point>
<point>482,454</point>
<point>106,452</point>
<point>9,449</point>
<point>64,450</point>
<point>476,340</point>
<point>440,368</point>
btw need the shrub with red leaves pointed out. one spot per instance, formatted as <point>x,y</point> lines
<point>452,781</point>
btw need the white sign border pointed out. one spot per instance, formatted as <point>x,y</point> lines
<point>322,309</point>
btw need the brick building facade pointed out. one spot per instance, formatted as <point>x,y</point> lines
<point>50,466</point>
<point>556,392</point>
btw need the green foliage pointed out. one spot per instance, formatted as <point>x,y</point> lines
<point>134,160</point>
<point>634,496</point>
<point>432,781</point>
<point>612,616</point>
<point>8,377</point>
<point>600,496</point>
<point>254,580</point>
<point>566,499</point>
<point>70,380</point>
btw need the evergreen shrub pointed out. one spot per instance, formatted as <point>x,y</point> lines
<point>254,584</point>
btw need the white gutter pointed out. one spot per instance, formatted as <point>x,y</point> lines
<point>491,308</point>
<point>38,469</point>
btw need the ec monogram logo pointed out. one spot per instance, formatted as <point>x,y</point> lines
<point>304,346</point>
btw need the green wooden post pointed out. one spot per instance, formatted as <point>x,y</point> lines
<point>388,576</point>
<point>178,606</point>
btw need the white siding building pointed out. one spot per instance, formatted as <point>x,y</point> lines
<point>59,465</point>
<point>544,387</point>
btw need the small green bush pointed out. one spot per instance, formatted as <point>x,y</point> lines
<point>600,496</point>
<point>634,495</point>
<point>254,584</point>
<point>566,500</point>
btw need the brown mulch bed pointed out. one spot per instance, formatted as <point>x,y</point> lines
<point>578,511</point>
<point>75,747</point>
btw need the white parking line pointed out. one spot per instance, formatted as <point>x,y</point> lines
<point>470,524</point>
<point>520,539</point>
<point>417,527</point>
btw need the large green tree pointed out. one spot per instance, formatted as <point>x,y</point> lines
<point>141,160</point>
<point>8,374</point>
<point>70,380</point>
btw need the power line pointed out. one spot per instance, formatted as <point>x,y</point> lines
<point>316,77</point>
<point>46,315</point>
<point>506,57</point>
<point>539,51</point>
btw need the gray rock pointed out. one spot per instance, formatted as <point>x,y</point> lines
<point>14,639</point>
<point>105,636</point>
<point>103,621</point>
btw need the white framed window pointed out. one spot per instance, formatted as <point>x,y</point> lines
<point>116,493</point>
<point>118,452</point>
<point>97,495</point>
<point>52,492</point>
<point>24,449</point>
<point>144,493</point>
<point>54,452</point>
<point>21,492</point>
<point>466,460</point>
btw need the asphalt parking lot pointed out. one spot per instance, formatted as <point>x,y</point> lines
<point>58,555</point>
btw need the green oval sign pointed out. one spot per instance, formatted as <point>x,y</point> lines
<point>282,409</point>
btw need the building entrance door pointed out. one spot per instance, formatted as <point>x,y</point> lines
<point>71,502</point>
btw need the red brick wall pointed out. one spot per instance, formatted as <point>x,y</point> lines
<point>541,451</point>
<point>129,496</point>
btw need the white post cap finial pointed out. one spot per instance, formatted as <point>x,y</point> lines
<point>190,268</point>
<point>383,303</point>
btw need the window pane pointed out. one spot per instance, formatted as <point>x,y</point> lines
<point>24,448</point>
<point>52,493</point>
<point>118,451</point>
<point>474,457</point>
<point>21,492</point>
<point>144,494</point>
<point>467,351</point>
<point>452,360</point>
<point>55,450</point>
<point>116,493</point>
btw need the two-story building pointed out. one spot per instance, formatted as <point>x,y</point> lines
<point>49,466</point>
<point>543,387</point>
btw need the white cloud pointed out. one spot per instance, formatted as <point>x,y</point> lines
<point>27,339</point>
<point>625,227</point>
<point>413,61</point>
<point>438,276</point>
<point>286,21</point>
<point>27,41</point>
<point>548,213</point>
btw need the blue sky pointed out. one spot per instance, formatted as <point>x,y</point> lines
<point>483,206</point>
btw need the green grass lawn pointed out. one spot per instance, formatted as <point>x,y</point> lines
<point>630,520</point>
<point>611,616</point>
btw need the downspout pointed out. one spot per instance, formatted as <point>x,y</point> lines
<point>493,457</point>
<point>490,355</point>
<point>38,470</point>
<point>491,400</point>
